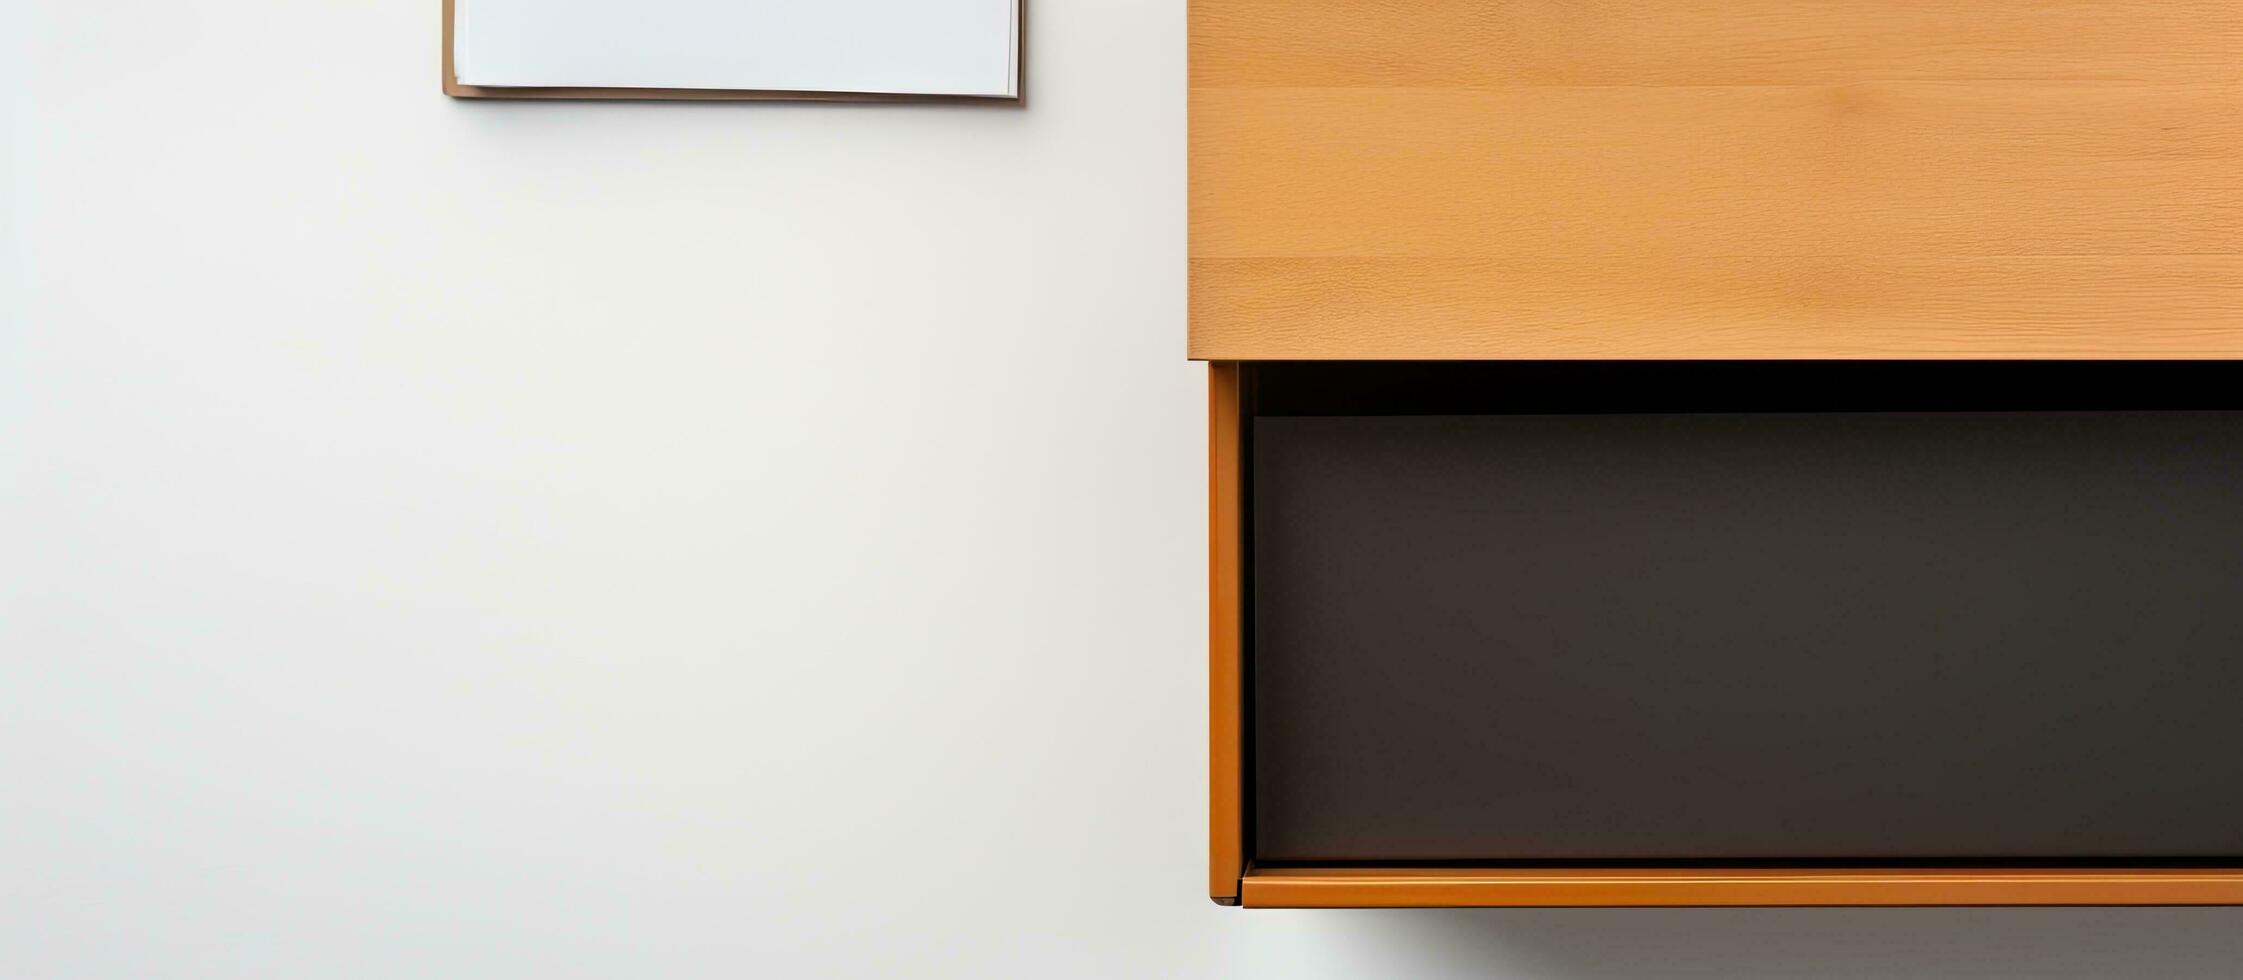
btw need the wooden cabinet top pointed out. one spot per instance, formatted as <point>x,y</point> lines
<point>1451,179</point>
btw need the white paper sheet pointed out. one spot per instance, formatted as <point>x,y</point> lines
<point>923,47</point>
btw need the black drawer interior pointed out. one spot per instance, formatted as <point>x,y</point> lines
<point>1903,613</point>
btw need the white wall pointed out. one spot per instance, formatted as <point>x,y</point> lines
<point>502,540</point>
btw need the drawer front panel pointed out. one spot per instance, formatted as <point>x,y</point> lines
<point>1459,179</point>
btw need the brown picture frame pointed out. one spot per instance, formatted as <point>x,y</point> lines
<point>452,86</point>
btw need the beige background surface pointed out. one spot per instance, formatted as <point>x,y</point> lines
<point>500,540</point>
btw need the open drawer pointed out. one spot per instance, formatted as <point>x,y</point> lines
<point>1726,633</point>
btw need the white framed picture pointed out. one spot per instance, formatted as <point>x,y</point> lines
<point>873,48</point>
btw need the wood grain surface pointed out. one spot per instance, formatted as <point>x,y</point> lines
<point>1803,178</point>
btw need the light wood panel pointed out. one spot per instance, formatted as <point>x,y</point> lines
<point>1744,307</point>
<point>1452,178</point>
<point>1487,43</point>
<point>1460,887</point>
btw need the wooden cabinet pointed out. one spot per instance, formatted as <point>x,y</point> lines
<point>1960,281</point>
<point>1744,179</point>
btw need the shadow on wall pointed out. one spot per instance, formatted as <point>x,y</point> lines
<point>1828,943</point>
